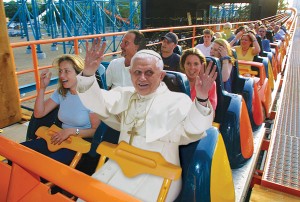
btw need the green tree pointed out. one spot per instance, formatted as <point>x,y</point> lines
<point>282,4</point>
<point>10,9</point>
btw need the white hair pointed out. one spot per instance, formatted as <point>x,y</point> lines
<point>228,24</point>
<point>143,54</point>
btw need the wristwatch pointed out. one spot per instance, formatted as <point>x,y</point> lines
<point>77,131</point>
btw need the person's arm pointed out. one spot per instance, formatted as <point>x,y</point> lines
<point>95,122</point>
<point>226,63</point>
<point>237,37</point>
<point>226,69</point>
<point>62,135</point>
<point>256,49</point>
<point>42,107</point>
<point>93,57</point>
<point>204,82</point>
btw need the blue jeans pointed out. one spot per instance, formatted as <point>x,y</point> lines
<point>64,156</point>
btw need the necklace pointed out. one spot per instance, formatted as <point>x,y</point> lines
<point>135,119</point>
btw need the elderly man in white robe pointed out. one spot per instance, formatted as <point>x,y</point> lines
<point>162,120</point>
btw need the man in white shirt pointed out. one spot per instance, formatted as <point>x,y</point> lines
<point>206,46</point>
<point>117,73</point>
<point>161,119</point>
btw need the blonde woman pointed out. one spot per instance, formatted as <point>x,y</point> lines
<point>221,49</point>
<point>75,117</point>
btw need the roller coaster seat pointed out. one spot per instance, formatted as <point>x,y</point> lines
<point>77,144</point>
<point>268,69</point>
<point>202,179</point>
<point>135,161</point>
<point>235,126</point>
<point>178,50</point>
<point>177,82</point>
<point>266,84</point>
<point>246,87</point>
<point>206,185</point>
<point>89,160</point>
<point>272,65</point>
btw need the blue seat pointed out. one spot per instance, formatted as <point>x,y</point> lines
<point>264,60</point>
<point>101,76</point>
<point>233,118</point>
<point>244,86</point>
<point>202,179</point>
<point>177,82</point>
<point>201,160</point>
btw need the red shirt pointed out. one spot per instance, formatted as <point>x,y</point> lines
<point>212,95</point>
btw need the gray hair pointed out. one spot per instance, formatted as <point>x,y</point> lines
<point>143,54</point>
<point>228,24</point>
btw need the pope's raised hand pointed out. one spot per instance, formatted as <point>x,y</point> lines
<point>205,80</point>
<point>93,57</point>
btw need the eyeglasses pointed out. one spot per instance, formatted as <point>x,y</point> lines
<point>226,27</point>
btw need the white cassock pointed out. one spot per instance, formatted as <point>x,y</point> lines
<point>164,120</point>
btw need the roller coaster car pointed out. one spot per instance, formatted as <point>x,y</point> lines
<point>264,91</point>
<point>247,87</point>
<point>272,64</point>
<point>235,127</point>
<point>268,68</point>
<point>200,161</point>
<point>278,53</point>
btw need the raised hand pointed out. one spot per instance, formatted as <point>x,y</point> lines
<point>223,51</point>
<point>205,80</point>
<point>93,56</point>
<point>45,78</point>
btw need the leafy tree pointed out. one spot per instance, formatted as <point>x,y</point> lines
<point>282,4</point>
<point>10,9</point>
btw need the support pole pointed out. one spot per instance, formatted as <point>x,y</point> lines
<point>10,108</point>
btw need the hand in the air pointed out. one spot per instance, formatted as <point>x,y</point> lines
<point>93,56</point>
<point>45,78</point>
<point>205,80</point>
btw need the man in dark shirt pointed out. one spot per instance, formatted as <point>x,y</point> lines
<point>171,60</point>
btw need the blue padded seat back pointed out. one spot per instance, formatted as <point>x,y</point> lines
<point>105,64</point>
<point>177,82</point>
<point>222,99</point>
<point>269,55</point>
<point>195,160</point>
<point>243,86</point>
<point>101,76</point>
<point>263,60</point>
<point>178,50</point>
<point>227,114</point>
<point>48,120</point>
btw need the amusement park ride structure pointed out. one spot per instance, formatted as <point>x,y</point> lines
<point>68,18</point>
<point>272,177</point>
<point>76,18</point>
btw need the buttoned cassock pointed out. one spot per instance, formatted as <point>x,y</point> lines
<point>164,120</point>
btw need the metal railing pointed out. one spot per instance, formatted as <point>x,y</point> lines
<point>192,32</point>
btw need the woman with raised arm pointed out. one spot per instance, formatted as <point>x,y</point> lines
<point>75,117</point>
<point>247,49</point>
<point>221,49</point>
<point>191,63</point>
